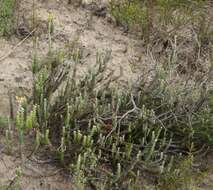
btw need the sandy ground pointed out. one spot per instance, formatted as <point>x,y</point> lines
<point>35,177</point>
<point>38,172</point>
<point>95,34</point>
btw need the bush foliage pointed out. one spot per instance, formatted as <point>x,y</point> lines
<point>7,8</point>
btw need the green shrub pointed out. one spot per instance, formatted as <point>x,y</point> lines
<point>150,16</point>
<point>130,14</point>
<point>3,122</point>
<point>7,8</point>
<point>181,176</point>
<point>107,136</point>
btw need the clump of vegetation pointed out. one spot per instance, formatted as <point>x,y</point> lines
<point>156,16</point>
<point>183,176</point>
<point>109,138</point>
<point>132,15</point>
<point>3,122</point>
<point>7,8</point>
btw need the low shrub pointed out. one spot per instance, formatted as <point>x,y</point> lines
<point>108,136</point>
<point>7,8</point>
